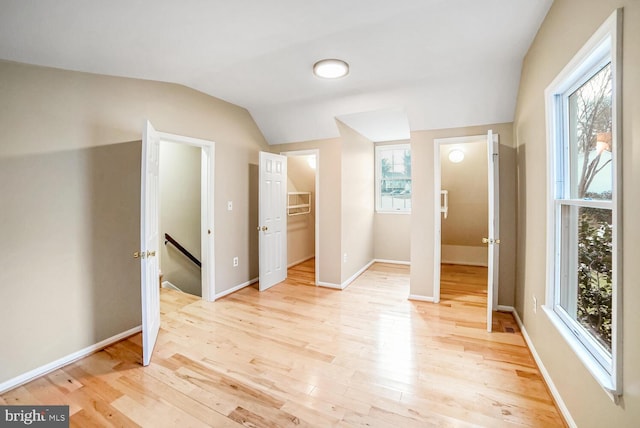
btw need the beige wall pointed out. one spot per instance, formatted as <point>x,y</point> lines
<point>69,186</point>
<point>467,220</point>
<point>329,175</point>
<point>392,237</point>
<point>357,200</point>
<point>568,25</point>
<point>466,182</point>
<point>180,214</point>
<point>301,229</point>
<point>422,220</point>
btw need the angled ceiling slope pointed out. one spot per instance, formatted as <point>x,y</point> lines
<point>444,63</point>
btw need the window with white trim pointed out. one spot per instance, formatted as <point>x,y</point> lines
<point>583,290</point>
<point>393,178</point>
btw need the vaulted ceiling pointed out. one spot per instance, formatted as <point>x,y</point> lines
<point>415,64</point>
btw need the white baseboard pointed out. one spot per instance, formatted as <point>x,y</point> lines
<point>392,262</point>
<point>420,298</point>
<point>346,283</point>
<point>464,255</point>
<point>329,285</point>
<point>171,286</point>
<point>504,308</point>
<point>463,263</point>
<point>297,262</point>
<point>61,362</point>
<point>353,277</point>
<point>234,289</point>
<point>545,374</point>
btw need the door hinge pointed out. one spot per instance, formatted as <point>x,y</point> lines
<point>143,255</point>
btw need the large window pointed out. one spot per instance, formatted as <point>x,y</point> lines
<point>393,178</point>
<point>583,229</point>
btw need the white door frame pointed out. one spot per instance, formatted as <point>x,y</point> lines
<point>206,208</point>
<point>437,183</point>
<point>316,153</point>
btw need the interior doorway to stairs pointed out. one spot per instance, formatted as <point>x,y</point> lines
<point>303,215</point>
<point>180,217</point>
<point>185,220</point>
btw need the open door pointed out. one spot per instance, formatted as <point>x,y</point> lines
<point>494,227</point>
<point>272,222</point>
<point>149,241</point>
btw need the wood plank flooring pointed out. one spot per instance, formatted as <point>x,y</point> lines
<point>297,355</point>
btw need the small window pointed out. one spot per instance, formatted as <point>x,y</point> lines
<point>583,229</point>
<point>393,178</point>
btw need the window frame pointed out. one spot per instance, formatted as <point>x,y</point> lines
<point>378,177</point>
<point>603,47</point>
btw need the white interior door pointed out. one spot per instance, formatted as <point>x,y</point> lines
<point>494,226</point>
<point>149,241</point>
<point>272,219</point>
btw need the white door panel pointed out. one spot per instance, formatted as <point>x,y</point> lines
<point>272,219</point>
<point>149,241</point>
<point>494,226</point>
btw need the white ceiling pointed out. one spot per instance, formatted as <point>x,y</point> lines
<point>441,63</point>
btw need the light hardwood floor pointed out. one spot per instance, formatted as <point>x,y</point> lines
<point>306,356</point>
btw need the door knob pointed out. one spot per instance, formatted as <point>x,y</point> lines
<point>485,240</point>
<point>265,228</point>
<point>151,253</point>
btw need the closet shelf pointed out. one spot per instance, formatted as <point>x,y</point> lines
<point>298,203</point>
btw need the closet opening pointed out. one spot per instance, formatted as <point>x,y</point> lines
<point>467,225</point>
<point>303,237</point>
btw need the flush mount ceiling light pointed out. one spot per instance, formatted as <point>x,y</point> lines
<point>456,156</point>
<point>331,68</point>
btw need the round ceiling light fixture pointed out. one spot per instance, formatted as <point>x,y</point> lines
<point>456,155</point>
<point>331,68</point>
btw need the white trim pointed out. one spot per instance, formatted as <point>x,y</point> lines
<point>392,262</point>
<point>316,153</point>
<point>353,277</point>
<point>61,362</point>
<point>419,298</point>
<point>171,286</point>
<point>545,374</point>
<point>330,285</point>
<point>453,262</point>
<point>596,370</point>
<point>604,44</point>
<point>236,288</point>
<point>505,308</point>
<point>378,173</point>
<point>297,262</point>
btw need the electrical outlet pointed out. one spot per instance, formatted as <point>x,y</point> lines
<point>345,257</point>
<point>229,205</point>
<point>535,305</point>
<point>235,262</point>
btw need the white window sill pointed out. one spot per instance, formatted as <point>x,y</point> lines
<point>392,212</point>
<point>605,379</point>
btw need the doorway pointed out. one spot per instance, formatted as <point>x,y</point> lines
<point>303,230</point>
<point>180,217</point>
<point>149,228</point>
<point>465,262</point>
